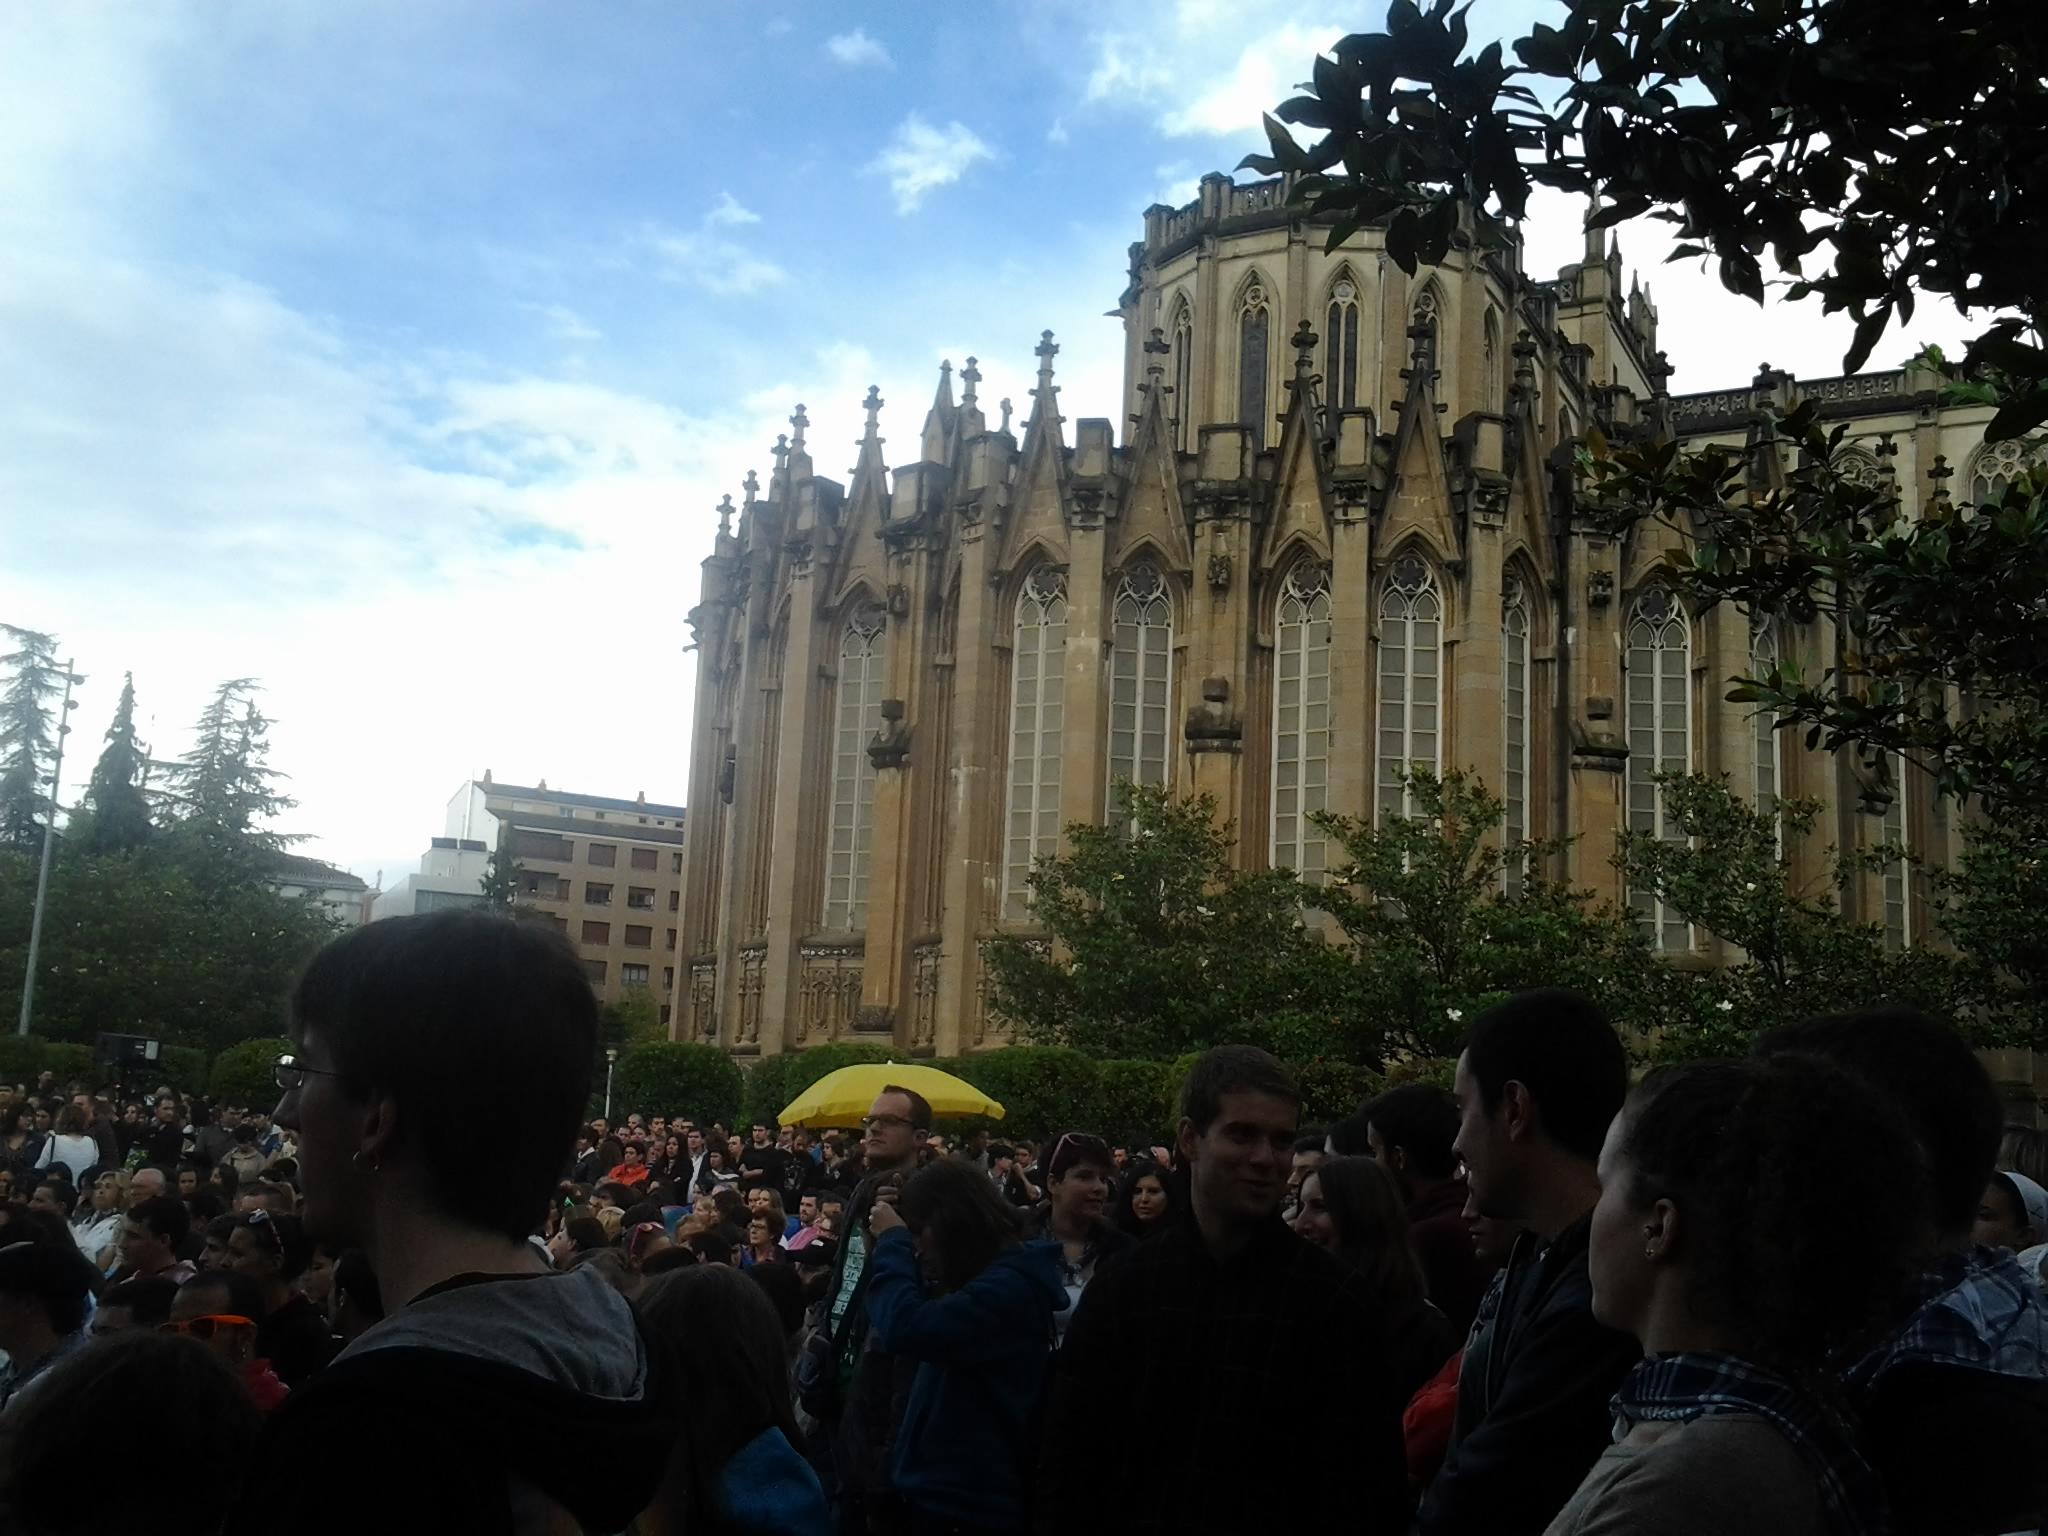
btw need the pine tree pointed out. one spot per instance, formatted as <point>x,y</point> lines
<point>28,734</point>
<point>221,793</point>
<point>115,814</point>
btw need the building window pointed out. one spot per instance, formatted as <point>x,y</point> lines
<point>671,938</point>
<point>1489,340</point>
<point>1428,311</point>
<point>1766,742</point>
<point>646,858</point>
<point>1659,660</point>
<point>561,923</point>
<point>1254,343</point>
<point>1898,906</point>
<point>667,1011</point>
<point>675,861</point>
<point>596,970</point>
<point>675,901</point>
<point>640,898</point>
<point>639,936</point>
<point>668,978</point>
<point>1514,698</point>
<point>527,844</point>
<point>632,975</point>
<point>1411,681</point>
<point>1183,403</point>
<point>596,932</point>
<point>596,895</point>
<point>1037,703</point>
<point>1141,664</point>
<point>857,716</point>
<point>1997,465</point>
<point>1301,718</point>
<point>604,855</point>
<point>1340,344</point>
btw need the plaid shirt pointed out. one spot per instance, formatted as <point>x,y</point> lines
<point>1978,1311</point>
<point>1683,1387</point>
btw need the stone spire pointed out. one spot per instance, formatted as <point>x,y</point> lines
<point>873,406</point>
<point>1421,369</point>
<point>725,515</point>
<point>942,397</point>
<point>797,423</point>
<point>970,378</point>
<point>1043,402</point>
<point>1304,342</point>
<point>752,486</point>
<point>1007,410</point>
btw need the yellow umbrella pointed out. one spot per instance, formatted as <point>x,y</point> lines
<point>843,1098</point>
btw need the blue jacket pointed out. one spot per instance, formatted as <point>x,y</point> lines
<point>767,1489</point>
<point>966,1447</point>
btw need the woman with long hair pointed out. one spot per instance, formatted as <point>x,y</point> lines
<point>735,1469</point>
<point>96,1226</point>
<point>20,1144</point>
<point>1351,1207</point>
<point>1758,1223</point>
<point>1145,1202</point>
<point>979,1323</point>
<point>69,1149</point>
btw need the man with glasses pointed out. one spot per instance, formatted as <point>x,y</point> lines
<point>860,1392</point>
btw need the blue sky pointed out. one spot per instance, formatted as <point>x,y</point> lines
<point>397,353</point>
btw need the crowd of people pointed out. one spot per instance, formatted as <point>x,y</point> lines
<point>1799,1291</point>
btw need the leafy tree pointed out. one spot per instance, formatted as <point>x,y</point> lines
<point>222,794</point>
<point>1792,954</point>
<point>1156,945</point>
<point>500,884</point>
<point>632,1021</point>
<point>1872,151</point>
<point>27,734</point>
<point>115,812</point>
<point>764,1097</point>
<point>1134,1101</point>
<point>699,1082</point>
<point>245,1073</point>
<point>1443,920</point>
<point>1044,1090</point>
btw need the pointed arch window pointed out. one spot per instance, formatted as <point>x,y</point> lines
<point>1898,905</point>
<point>1037,703</point>
<point>1340,345</point>
<point>1515,736</point>
<point>1301,718</point>
<point>857,716</point>
<point>1410,679</point>
<point>1997,465</point>
<point>1140,682</point>
<point>1254,346</point>
<point>1183,404</point>
<point>1766,741</point>
<point>1659,660</point>
<point>1428,309</point>
<point>1496,382</point>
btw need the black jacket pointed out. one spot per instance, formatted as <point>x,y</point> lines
<point>476,1408</point>
<point>1266,1375</point>
<point>1533,1398</point>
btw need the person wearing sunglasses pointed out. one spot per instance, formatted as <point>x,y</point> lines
<point>414,1041</point>
<point>224,1310</point>
<point>273,1251</point>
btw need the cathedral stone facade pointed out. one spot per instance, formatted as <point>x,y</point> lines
<point>1335,539</point>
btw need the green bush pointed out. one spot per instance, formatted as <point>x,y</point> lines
<point>73,1063</point>
<point>697,1082</point>
<point>1134,1102</point>
<point>183,1067</point>
<point>246,1073</point>
<point>1330,1089</point>
<point>1177,1081</point>
<point>764,1095</point>
<point>1044,1089</point>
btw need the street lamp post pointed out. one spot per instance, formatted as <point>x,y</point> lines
<point>611,1060</point>
<point>35,922</point>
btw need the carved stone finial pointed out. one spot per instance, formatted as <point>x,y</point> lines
<point>781,452</point>
<point>1046,351</point>
<point>752,486</point>
<point>1421,353</point>
<point>797,423</point>
<point>1939,474</point>
<point>725,514</point>
<point>1304,343</point>
<point>970,376</point>
<point>1007,409</point>
<point>873,406</point>
<point>1766,377</point>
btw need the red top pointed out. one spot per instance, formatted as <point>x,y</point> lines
<point>1426,1424</point>
<point>262,1385</point>
<point>627,1173</point>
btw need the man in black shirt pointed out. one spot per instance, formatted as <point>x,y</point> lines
<point>1258,1350</point>
<point>763,1163</point>
<point>1541,1078</point>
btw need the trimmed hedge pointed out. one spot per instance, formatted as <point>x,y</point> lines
<point>246,1073</point>
<point>764,1096</point>
<point>1134,1102</point>
<point>1044,1089</point>
<point>674,1078</point>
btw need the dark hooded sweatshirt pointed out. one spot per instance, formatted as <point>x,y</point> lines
<point>491,1404</point>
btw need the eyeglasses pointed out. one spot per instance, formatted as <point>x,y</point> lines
<point>291,1073</point>
<point>206,1327</point>
<point>882,1122</point>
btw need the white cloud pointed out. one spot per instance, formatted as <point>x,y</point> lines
<point>919,158</point>
<point>1265,74</point>
<point>1057,133</point>
<point>728,210</point>
<point>563,323</point>
<point>1188,64</point>
<point>856,50</point>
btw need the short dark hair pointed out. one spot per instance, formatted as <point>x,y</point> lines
<point>1422,1120</point>
<point>675,1256</point>
<point>473,1023</point>
<point>712,1247</point>
<point>1074,1149</point>
<point>920,1106</point>
<point>1310,1140</point>
<point>785,1288</point>
<point>284,1236</point>
<point>60,1280</point>
<point>586,1233</point>
<point>165,1216</point>
<point>1740,1147</point>
<point>207,1419</point>
<point>1232,1069</point>
<point>1557,1044</point>
<point>148,1297</point>
<point>242,1293</point>
<point>1933,1076</point>
<point>1347,1137</point>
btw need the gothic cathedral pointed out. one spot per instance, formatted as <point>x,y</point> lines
<point>1335,540</point>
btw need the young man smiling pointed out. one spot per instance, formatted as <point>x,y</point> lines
<point>1255,1343</point>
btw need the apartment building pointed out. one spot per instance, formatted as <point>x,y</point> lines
<point>607,872</point>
